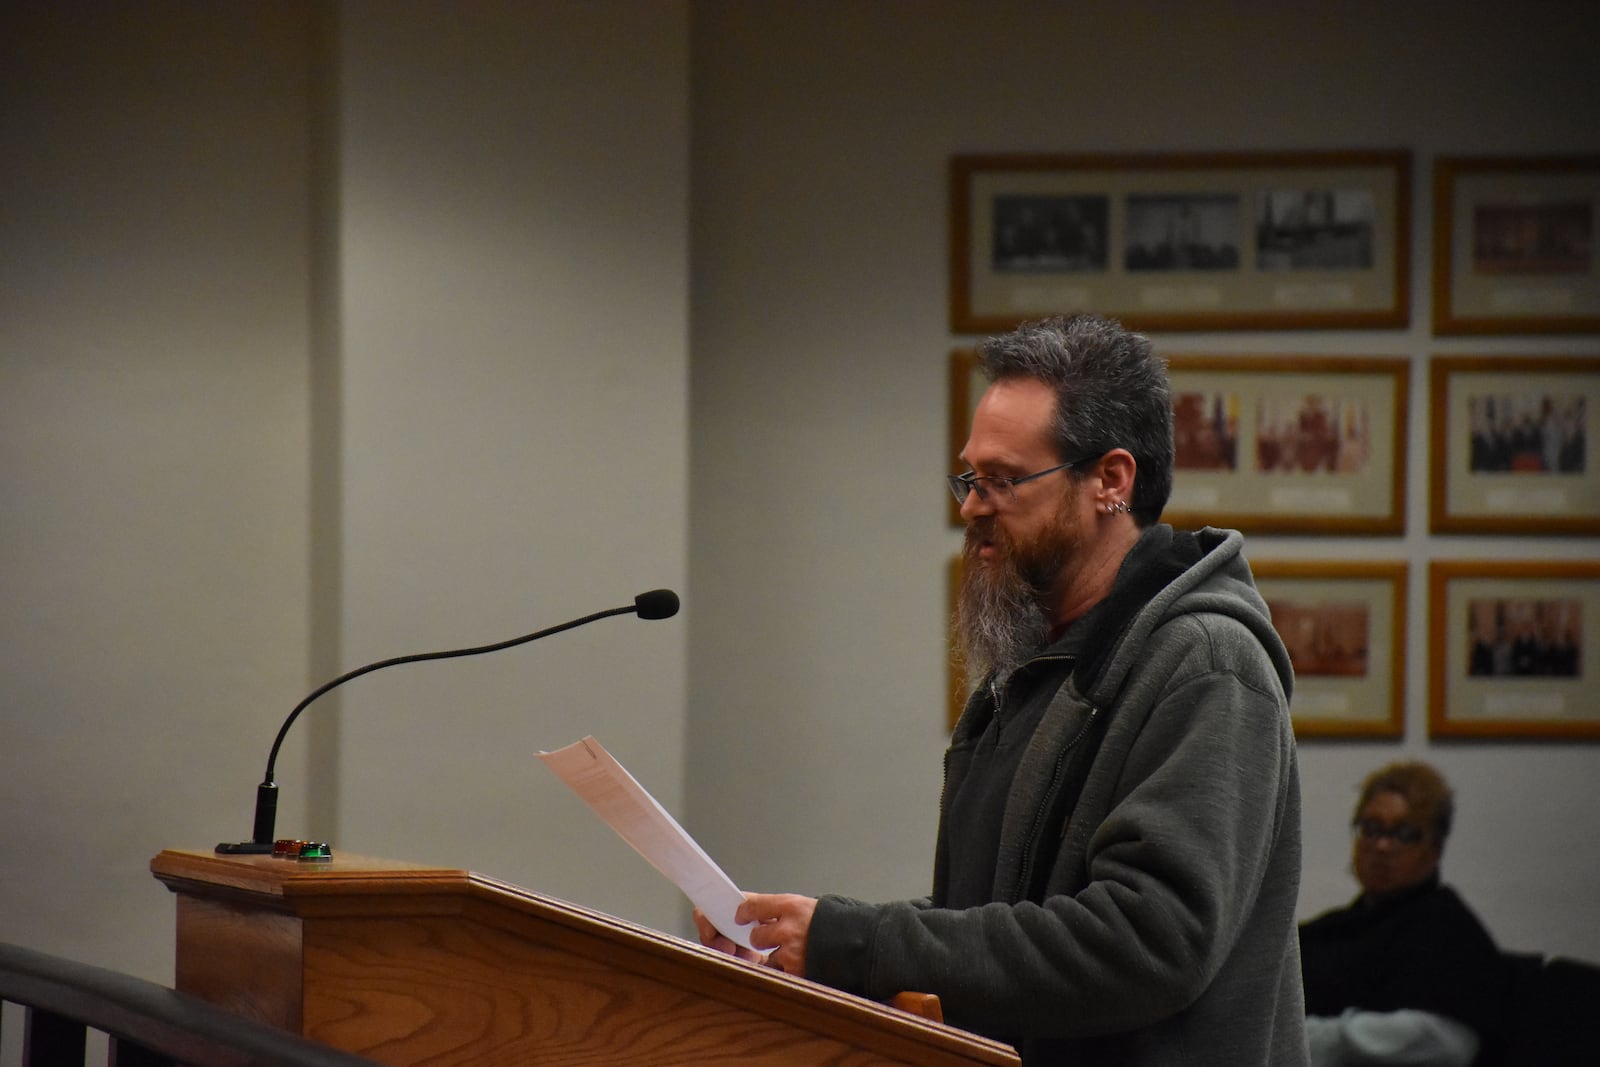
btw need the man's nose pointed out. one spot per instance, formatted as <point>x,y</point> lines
<point>975,505</point>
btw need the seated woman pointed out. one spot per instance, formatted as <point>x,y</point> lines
<point>1406,974</point>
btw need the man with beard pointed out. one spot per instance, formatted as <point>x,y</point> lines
<point>1118,853</point>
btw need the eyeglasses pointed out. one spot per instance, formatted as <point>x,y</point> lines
<point>1404,833</point>
<point>984,484</point>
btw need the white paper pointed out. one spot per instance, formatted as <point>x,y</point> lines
<point>617,797</point>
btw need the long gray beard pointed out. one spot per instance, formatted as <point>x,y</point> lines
<point>999,624</point>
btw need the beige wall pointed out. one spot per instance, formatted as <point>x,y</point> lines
<point>461,333</point>
<point>514,315</point>
<point>324,341</point>
<point>153,452</point>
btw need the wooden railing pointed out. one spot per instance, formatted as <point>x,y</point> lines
<point>148,1025</point>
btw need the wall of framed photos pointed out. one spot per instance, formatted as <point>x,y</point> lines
<point>1295,443</point>
<point>822,343</point>
<point>1385,369</point>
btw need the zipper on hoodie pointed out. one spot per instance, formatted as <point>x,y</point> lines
<point>1026,871</point>
<point>998,692</point>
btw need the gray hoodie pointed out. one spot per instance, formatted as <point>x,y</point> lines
<point>1149,860</point>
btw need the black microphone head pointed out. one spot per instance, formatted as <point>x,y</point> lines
<point>656,604</point>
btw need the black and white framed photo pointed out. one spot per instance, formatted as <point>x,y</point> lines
<point>1219,241</point>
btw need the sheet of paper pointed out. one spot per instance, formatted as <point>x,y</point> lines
<point>617,797</point>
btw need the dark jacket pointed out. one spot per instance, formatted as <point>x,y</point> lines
<point>1420,948</point>
<point>1149,860</point>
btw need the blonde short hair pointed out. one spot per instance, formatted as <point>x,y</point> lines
<point>1425,791</point>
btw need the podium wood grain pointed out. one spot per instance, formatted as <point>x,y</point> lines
<point>409,964</point>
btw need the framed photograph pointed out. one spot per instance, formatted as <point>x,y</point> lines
<point>1289,444</point>
<point>1510,445</point>
<point>1513,649</point>
<point>1344,624</point>
<point>1515,244</point>
<point>1222,241</point>
<point>966,386</point>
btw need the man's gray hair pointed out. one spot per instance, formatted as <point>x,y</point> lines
<point>1111,392</point>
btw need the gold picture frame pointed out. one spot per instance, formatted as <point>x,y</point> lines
<point>1344,624</point>
<point>1515,244</point>
<point>1512,649</point>
<point>1356,692</point>
<point>1289,444</point>
<point>1210,241</point>
<point>1511,452</point>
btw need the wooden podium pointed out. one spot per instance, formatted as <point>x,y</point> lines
<point>410,964</point>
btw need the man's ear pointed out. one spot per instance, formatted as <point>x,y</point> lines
<point>1117,469</point>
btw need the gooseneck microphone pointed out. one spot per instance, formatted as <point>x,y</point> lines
<point>656,604</point>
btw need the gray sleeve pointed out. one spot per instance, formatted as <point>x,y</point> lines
<point>1174,871</point>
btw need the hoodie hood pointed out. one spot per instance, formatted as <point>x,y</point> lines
<point>1203,571</point>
